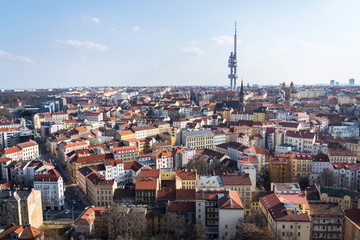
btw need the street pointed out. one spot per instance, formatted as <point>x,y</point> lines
<point>75,201</point>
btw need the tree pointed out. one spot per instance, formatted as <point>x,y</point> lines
<point>197,164</point>
<point>198,232</point>
<point>256,218</point>
<point>327,178</point>
<point>51,234</point>
<point>126,223</point>
<point>5,113</point>
<point>174,227</point>
<point>249,231</point>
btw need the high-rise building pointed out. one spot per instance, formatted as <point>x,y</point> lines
<point>233,65</point>
<point>351,82</point>
<point>332,82</point>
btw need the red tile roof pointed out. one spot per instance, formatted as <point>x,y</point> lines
<point>147,183</point>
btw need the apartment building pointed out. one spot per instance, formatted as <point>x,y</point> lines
<point>327,221</point>
<point>21,207</point>
<point>341,156</point>
<point>284,219</point>
<point>198,139</point>
<point>186,179</point>
<point>48,117</point>
<point>51,185</point>
<point>219,212</point>
<point>98,191</point>
<point>347,176</point>
<point>302,141</point>
<point>301,165</point>
<point>242,184</point>
<point>126,154</point>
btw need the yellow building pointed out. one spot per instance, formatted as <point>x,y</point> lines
<point>186,179</point>
<point>284,219</point>
<point>301,166</point>
<point>225,112</point>
<point>334,195</point>
<point>280,168</point>
<point>242,184</point>
<point>354,147</point>
<point>98,191</point>
<point>124,135</point>
<point>259,116</point>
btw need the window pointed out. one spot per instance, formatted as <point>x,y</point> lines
<point>291,226</point>
<point>283,226</point>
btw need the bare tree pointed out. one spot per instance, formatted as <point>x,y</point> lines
<point>198,232</point>
<point>126,223</point>
<point>51,234</point>
<point>197,164</point>
<point>256,217</point>
<point>174,227</point>
<point>327,178</point>
<point>249,231</point>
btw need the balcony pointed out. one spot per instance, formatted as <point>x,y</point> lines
<point>212,230</point>
<point>212,216</point>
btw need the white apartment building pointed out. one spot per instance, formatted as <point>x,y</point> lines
<point>347,176</point>
<point>344,131</point>
<point>51,185</point>
<point>181,123</point>
<point>198,139</point>
<point>303,141</point>
<point>320,163</point>
<point>119,171</point>
<point>164,159</point>
<point>30,150</point>
<point>22,151</point>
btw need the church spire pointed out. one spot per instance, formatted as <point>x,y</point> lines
<point>241,98</point>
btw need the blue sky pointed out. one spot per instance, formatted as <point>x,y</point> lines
<point>132,43</point>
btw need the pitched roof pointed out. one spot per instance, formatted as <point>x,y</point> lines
<point>242,179</point>
<point>22,232</point>
<point>27,144</point>
<point>231,201</point>
<point>51,175</point>
<point>186,175</point>
<point>147,183</point>
<point>181,207</point>
<point>354,216</point>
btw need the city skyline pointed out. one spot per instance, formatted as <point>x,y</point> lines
<point>50,45</point>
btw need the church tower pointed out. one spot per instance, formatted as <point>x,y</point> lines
<point>241,107</point>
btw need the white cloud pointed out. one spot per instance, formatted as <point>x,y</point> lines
<point>92,19</point>
<point>81,45</point>
<point>112,29</point>
<point>15,58</point>
<point>136,28</point>
<point>223,40</point>
<point>193,51</point>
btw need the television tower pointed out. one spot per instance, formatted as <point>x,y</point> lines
<point>233,65</point>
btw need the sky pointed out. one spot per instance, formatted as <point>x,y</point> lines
<point>50,44</point>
